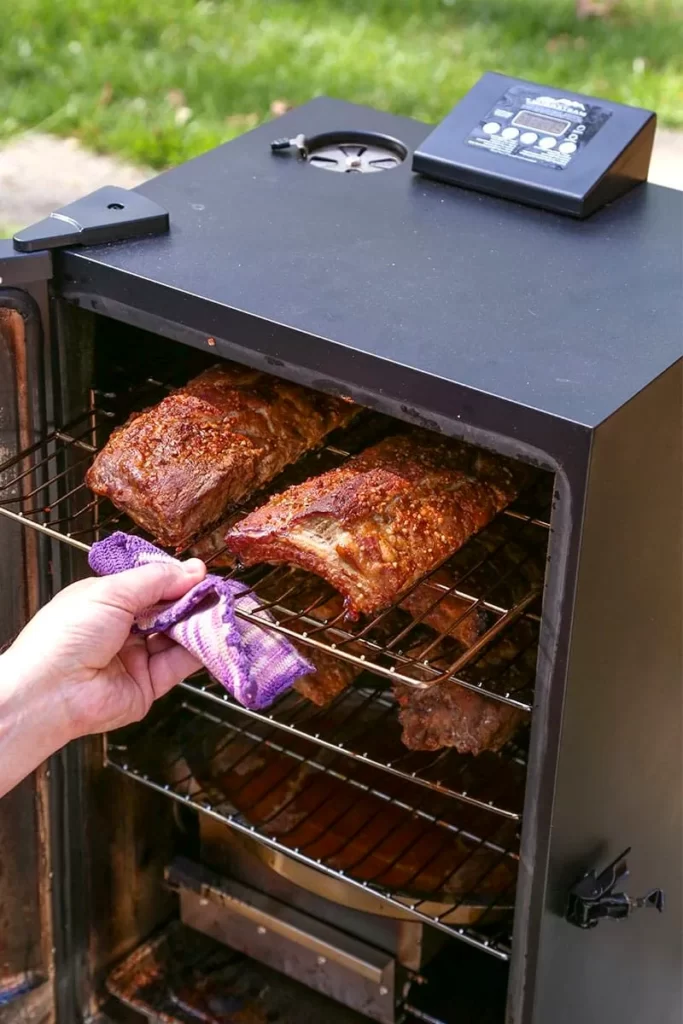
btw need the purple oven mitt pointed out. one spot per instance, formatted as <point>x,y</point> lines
<point>254,664</point>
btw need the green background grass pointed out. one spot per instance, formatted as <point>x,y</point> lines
<point>119,73</point>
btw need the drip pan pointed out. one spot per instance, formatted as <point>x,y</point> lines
<point>183,977</point>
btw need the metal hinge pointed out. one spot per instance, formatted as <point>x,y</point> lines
<point>110,214</point>
<point>593,897</point>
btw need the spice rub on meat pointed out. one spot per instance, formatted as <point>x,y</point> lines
<point>375,525</point>
<point>175,468</point>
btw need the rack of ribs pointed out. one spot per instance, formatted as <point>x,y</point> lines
<point>175,468</point>
<point>376,525</point>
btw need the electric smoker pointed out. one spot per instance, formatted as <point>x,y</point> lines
<point>137,884</point>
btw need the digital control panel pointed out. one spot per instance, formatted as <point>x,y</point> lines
<point>540,145</point>
<point>528,124</point>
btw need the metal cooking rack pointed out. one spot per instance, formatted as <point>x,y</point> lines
<point>497,576</point>
<point>361,723</point>
<point>187,751</point>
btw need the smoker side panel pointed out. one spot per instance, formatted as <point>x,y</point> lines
<point>620,766</point>
<point>26,967</point>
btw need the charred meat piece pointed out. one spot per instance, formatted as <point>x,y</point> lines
<point>388,516</point>
<point>211,549</point>
<point>311,596</point>
<point>449,715</point>
<point>175,468</point>
<point>331,677</point>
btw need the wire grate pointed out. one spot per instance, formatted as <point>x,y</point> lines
<point>416,850</point>
<point>361,723</point>
<point>495,580</point>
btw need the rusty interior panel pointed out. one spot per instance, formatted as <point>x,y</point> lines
<point>15,419</point>
<point>130,841</point>
<point>25,904</point>
<point>20,943</point>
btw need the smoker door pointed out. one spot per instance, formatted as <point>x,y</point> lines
<point>26,943</point>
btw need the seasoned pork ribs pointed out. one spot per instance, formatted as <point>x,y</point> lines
<point>449,715</point>
<point>373,526</point>
<point>175,468</point>
<point>331,677</point>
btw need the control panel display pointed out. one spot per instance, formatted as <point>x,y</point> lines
<point>528,124</point>
<point>540,122</point>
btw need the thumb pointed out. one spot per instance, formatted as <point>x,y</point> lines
<point>134,590</point>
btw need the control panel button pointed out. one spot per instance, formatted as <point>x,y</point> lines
<point>510,133</point>
<point>568,147</point>
<point>491,128</point>
<point>547,142</point>
<point>528,138</point>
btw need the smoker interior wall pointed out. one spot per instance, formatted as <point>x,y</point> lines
<point>20,946</point>
<point>118,897</point>
<point>13,596</point>
<point>22,869</point>
<point>130,838</point>
<point>620,770</point>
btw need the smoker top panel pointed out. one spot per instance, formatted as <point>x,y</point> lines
<point>568,318</point>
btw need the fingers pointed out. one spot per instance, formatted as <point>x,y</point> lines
<point>137,589</point>
<point>157,642</point>
<point>168,668</point>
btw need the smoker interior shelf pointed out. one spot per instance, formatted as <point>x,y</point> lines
<point>499,573</point>
<point>183,977</point>
<point>362,724</point>
<point>427,856</point>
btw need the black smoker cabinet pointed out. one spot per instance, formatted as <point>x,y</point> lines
<point>553,341</point>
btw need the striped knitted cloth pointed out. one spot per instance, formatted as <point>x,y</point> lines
<point>254,664</point>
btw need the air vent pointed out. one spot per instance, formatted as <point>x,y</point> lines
<point>347,152</point>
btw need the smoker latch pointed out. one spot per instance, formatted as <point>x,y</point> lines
<point>593,898</point>
<point>110,214</point>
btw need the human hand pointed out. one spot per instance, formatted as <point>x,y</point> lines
<point>78,664</point>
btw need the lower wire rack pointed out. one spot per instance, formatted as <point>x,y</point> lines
<point>362,724</point>
<point>429,857</point>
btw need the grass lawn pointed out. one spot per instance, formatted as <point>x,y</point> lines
<point>161,80</point>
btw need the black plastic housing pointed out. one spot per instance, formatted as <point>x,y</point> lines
<point>615,160</point>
